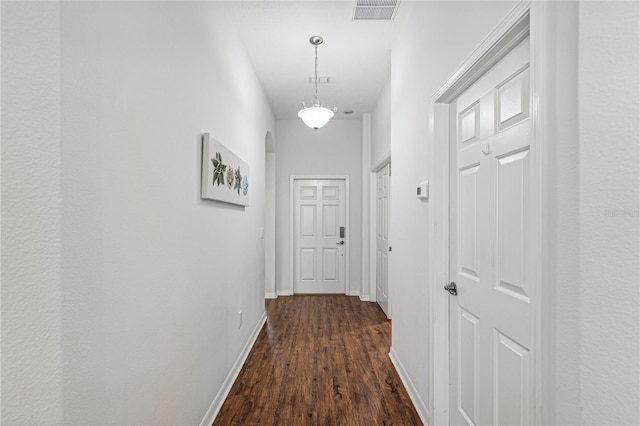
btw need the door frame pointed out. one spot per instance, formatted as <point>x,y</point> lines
<point>373,211</point>
<point>527,17</point>
<point>292,179</point>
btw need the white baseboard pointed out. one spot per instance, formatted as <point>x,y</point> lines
<point>365,298</point>
<point>271,295</point>
<point>353,293</point>
<point>284,293</point>
<point>215,406</point>
<point>418,403</point>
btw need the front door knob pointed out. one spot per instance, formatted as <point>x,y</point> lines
<point>341,243</point>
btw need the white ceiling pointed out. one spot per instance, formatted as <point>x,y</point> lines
<point>355,54</point>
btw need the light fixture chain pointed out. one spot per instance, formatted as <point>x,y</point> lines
<point>316,80</point>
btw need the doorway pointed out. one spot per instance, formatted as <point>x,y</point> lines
<point>486,319</point>
<point>490,310</point>
<point>382,238</point>
<point>319,232</point>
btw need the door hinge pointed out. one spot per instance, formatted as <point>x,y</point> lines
<point>389,169</point>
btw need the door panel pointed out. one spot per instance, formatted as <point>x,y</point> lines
<point>308,264</point>
<point>510,252</point>
<point>490,318</point>
<point>330,220</point>
<point>330,265</point>
<point>308,193</point>
<point>307,221</point>
<point>469,124</point>
<point>511,381</point>
<point>382,240</point>
<point>468,354</point>
<point>318,258</point>
<point>512,101</point>
<point>467,237</point>
<point>330,193</point>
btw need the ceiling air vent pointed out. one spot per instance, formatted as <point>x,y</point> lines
<point>375,10</point>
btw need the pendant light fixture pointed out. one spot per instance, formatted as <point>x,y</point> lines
<point>316,116</point>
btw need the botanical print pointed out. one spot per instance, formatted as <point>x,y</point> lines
<point>230,176</point>
<point>238,182</point>
<point>222,174</point>
<point>218,170</point>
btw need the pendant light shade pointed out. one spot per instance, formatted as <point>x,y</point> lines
<point>315,116</point>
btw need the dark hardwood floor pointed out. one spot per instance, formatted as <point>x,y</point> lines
<point>320,360</point>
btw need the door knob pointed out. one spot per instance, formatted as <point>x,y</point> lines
<point>341,243</point>
<point>452,289</point>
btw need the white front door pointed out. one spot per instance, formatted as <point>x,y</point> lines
<point>382,239</point>
<point>319,239</point>
<point>490,240</point>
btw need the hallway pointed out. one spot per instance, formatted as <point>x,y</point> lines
<point>130,296</point>
<point>320,360</point>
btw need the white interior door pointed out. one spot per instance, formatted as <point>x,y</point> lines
<point>490,239</point>
<point>320,241</point>
<point>382,239</point>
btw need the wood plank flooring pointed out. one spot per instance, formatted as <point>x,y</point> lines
<point>320,360</point>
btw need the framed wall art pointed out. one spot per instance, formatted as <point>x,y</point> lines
<point>225,177</point>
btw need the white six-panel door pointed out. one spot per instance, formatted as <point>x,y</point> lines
<point>382,239</point>
<point>491,317</point>
<point>319,250</point>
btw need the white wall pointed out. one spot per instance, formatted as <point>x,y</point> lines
<point>332,150</point>
<point>270,226</point>
<point>434,40</point>
<point>381,126</point>
<point>31,215</point>
<point>125,280</point>
<point>368,287</point>
<point>592,240</point>
<point>609,202</point>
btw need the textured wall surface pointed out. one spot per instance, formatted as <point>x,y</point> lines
<point>381,126</point>
<point>31,214</point>
<point>155,276</point>
<point>609,218</point>
<point>121,287</point>
<point>365,160</point>
<point>334,150</point>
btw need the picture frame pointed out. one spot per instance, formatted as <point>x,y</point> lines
<point>225,177</point>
